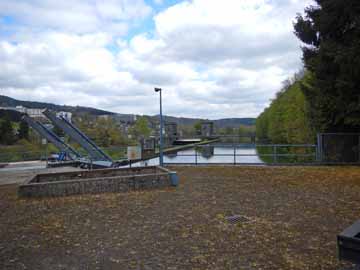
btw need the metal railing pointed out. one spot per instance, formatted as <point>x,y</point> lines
<point>255,154</point>
<point>22,156</point>
<point>116,152</point>
<point>235,154</point>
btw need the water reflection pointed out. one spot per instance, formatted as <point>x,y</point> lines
<point>171,155</point>
<point>207,151</point>
<point>212,154</point>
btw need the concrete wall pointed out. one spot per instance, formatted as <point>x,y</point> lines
<point>53,177</point>
<point>97,181</point>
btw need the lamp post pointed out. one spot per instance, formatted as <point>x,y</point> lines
<point>161,129</point>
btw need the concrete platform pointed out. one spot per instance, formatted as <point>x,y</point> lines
<point>18,172</point>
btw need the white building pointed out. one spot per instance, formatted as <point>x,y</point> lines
<point>20,109</point>
<point>32,112</point>
<point>35,113</point>
<point>66,115</point>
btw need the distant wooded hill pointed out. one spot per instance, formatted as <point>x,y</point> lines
<point>6,101</point>
<point>220,123</point>
<point>11,102</point>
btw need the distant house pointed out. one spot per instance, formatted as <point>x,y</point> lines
<point>20,109</point>
<point>32,112</point>
<point>66,115</point>
<point>35,113</point>
<point>104,116</point>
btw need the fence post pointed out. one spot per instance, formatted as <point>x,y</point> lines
<point>234,154</point>
<point>46,155</point>
<point>319,148</point>
<point>275,154</point>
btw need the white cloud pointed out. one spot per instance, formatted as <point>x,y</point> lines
<point>213,58</point>
<point>239,51</point>
<point>219,30</point>
<point>159,2</point>
<point>63,63</point>
<point>80,16</point>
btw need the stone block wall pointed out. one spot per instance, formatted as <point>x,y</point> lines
<point>96,181</point>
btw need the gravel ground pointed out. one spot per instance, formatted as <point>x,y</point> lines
<point>290,219</point>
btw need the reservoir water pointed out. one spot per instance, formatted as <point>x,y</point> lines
<point>211,154</point>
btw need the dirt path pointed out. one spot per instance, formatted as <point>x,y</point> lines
<point>291,219</point>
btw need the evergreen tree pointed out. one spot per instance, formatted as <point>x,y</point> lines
<point>331,33</point>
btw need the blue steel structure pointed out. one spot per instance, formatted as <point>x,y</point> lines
<point>95,153</point>
<point>52,137</point>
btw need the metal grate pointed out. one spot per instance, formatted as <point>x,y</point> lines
<point>237,219</point>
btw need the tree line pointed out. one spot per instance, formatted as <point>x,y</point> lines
<point>327,97</point>
<point>11,132</point>
<point>286,119</point>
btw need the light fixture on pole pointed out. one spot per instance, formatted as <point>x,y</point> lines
<point>161,129</point>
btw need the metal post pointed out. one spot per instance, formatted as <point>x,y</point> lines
<point>234,154</point>
<point>195,156</point>
<point>44,142</point>
<point>46,154</point>
<point>161,133</point>
<point>274,154</point>
<point>161,154</point>
<point>319,148</point>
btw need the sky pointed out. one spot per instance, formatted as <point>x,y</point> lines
<point>212,58</point>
